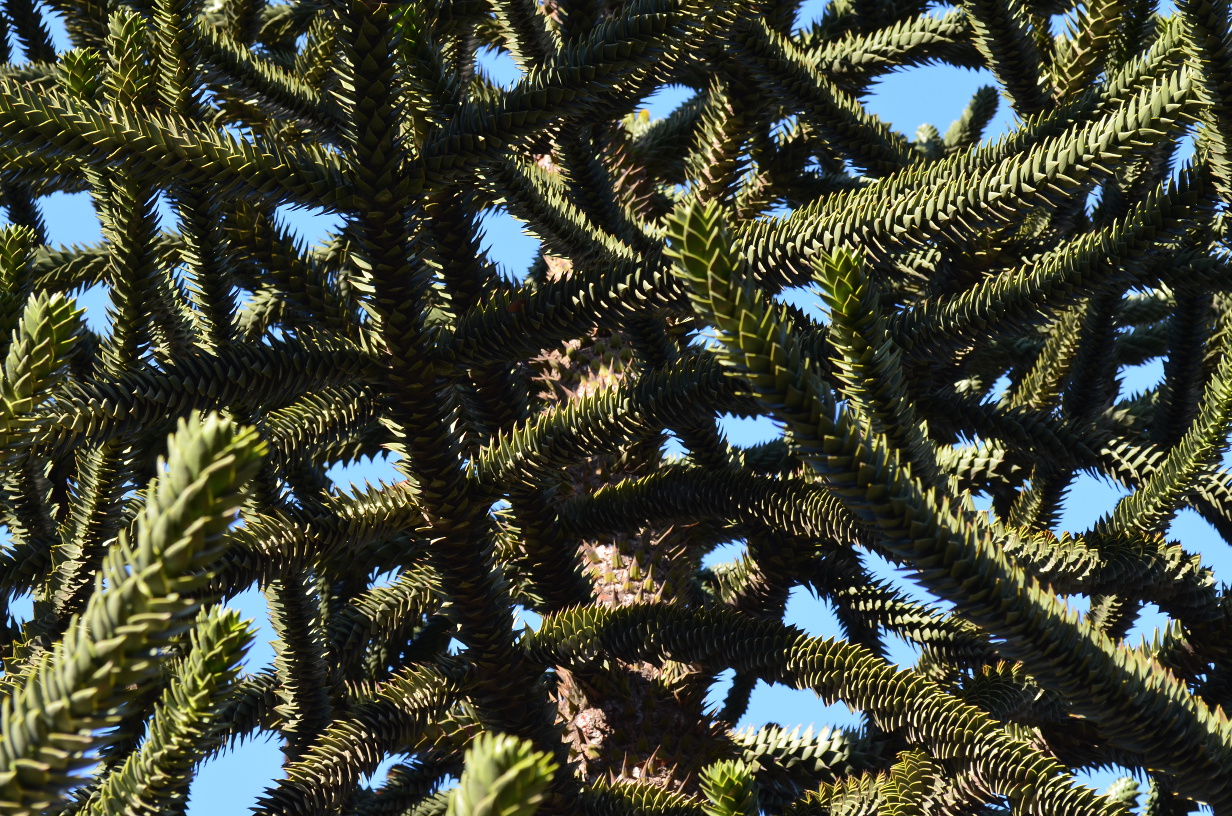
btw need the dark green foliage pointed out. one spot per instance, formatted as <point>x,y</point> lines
<point>152,472</point>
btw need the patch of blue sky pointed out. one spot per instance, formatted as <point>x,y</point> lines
<point>807,299</point>
<point>507,242</point>
<point>311,226</point>
<point>374,470</point>
<point>747,431</point>
<point>673,447</point>
<point>1139,378</point>
<point>234,781</point>
<point>499,66</point>
<point>788,707</point>
<point>724,553</point>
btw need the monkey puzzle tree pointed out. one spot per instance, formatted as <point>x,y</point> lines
<point>153,472</point>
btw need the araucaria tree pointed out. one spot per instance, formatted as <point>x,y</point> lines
<point>152,472</point>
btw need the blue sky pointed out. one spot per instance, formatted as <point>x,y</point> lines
<point>934,95</point>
